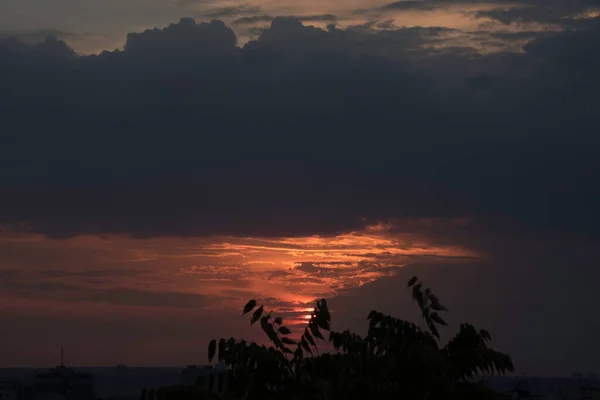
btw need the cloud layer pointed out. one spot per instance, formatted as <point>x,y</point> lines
<point>180,132</point>
<point>93,25</point>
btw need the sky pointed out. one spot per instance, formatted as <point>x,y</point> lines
<point>163,162</point>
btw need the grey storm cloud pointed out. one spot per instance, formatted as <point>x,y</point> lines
<point>553,11</point>
<point>558,12</point>
<point>304,18</point>
<point>409,5</point>
<point>36,36</point>
<point>300,131</point>
<point>231,11</point>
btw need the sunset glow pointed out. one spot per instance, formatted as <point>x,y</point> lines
<point>228,269</point>
<point>120,276</point>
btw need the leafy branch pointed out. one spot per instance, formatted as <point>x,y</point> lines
<point>397,357</point>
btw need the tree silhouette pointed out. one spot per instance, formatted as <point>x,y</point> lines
<point>396,358</point>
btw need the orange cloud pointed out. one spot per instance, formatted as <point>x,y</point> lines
<point>225,271</point>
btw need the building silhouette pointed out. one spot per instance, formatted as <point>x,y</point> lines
<point>63,383</point>
<point>9,390</point>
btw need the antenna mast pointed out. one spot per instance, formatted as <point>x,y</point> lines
<point>62,357</point>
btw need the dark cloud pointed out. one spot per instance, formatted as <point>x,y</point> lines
<point>389,24</point>
<point>301,131</point>
<point>409,5</point>
<point>557,12</point>
<point>552,12</point>
<point>39,35</point>
<point>178,42</point>
<point>47,52</point>
<point>524,35</point>
<point>304,18</point>
<point>512,15</point>
<point>231,11</point>
<point>253,19</point>
<point>570,50</point>
<point>317,18</point>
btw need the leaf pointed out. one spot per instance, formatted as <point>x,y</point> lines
<point>278,320</point>
<point>436,317</point>
<point>436,305</point>
<point>374,318</point>
<point>314,329</point>
<point>322,323</point>
<point>256,316</point>
<point>305,345</point>
<point>287,351</point>
<point>309,338</point>
<point>412,281</point>
<point>434,330</point>
<point>249,306</point>
<point>485,334</point>
<point>416,290</point>
<point>270,331</point>
<point>336,340</point>
<point>284,330</point>
<point>323,311</point>
<point>289,341</point>
<point>212,349</point>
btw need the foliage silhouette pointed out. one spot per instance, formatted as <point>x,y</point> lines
<point>396,358</point>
